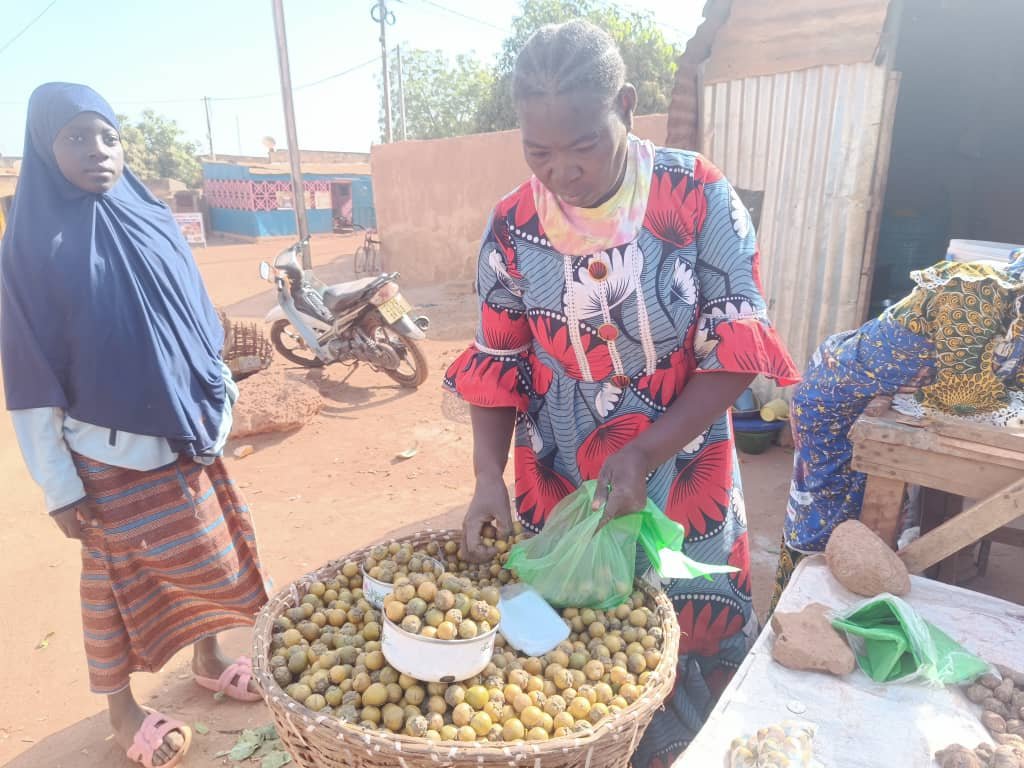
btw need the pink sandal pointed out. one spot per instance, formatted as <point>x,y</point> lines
<point>233,681</point>
<point>150,737</point>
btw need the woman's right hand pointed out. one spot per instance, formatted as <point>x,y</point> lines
<point>490,505</point>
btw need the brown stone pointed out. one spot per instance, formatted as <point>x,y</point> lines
<point>808,641</point>
<point>862,562</point>
<point>274,401</point>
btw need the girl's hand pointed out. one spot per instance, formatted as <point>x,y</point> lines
<point>622,484</point>
<point>490,504</point>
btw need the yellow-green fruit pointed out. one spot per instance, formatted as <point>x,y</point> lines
<point>449,733</point>
<point>455,695</point>
<point>468,629</point>
<point>513,730</point>
<point>437,705</point>
<point>477,697</point>
<point>466,733</point>
<point>531,716</point>
<point>481,723</point>
<point>376,695</point>
<point>537,734</point>
<point>579,708</point>
<point>563,720</point>
<point>462,714</point>
<point>415,695</point>
<point>393,718</point>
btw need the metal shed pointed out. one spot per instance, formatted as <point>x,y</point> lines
<point>811,107</point>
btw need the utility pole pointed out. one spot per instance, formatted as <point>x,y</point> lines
<point>401,92</point>
<point>380,13</point>
<point>209,126</point>
<point>298,188</point>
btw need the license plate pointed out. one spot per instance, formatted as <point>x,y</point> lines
<point>392,310</point>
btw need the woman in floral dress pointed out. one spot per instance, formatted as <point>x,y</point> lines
<point>621,315</point>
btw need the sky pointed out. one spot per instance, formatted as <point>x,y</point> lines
<point>167,56</point>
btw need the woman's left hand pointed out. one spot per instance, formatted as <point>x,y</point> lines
<point>622,484</point>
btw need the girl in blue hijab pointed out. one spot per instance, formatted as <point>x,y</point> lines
<point>122,405</point>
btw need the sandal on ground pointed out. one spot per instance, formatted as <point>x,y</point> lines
<point>233,681</point>
<point>150,737</point>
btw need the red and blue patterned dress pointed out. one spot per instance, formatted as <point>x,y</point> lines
<point>590,350</point>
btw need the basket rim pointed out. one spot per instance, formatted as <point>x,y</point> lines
<point>280,704</point>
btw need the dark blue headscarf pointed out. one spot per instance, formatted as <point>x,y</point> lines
<point>102,310</point>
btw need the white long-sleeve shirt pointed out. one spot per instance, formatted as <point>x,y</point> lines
<point>47,436</point>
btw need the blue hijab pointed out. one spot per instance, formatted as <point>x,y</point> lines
<point>102,309</point>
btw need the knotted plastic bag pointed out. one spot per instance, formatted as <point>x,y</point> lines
<point>572,563</point>
<point>894,644</point>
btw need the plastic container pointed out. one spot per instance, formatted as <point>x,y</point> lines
<point>754,436</point>
<point>375,591</point>
<point>746,404</point>
<point>980,250</point>
<point>436,661</point>
<point>528,623</point>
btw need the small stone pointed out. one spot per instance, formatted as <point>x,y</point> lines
<point>862,562</point>
<point>244,450</point>
<point>808,641</point>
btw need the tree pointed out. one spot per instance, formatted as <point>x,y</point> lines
<point>442,96</point>
<point>155,148</point>
<point>650,58</point>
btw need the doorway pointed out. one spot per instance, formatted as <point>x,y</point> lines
<point>341,206</point>
<point>956,169</point>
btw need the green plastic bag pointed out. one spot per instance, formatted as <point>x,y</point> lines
<point>573,564</point>
<point>894,644</point>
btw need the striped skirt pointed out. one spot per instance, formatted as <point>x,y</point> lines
<point>168,558</point>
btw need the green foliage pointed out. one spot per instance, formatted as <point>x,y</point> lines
<point>445,99</point>
<point>155,148</point>
<point>442,96</point>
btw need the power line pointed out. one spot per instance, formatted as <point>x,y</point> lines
<point>28,26</point>
<point>310,84</point>
<point>466,16</point>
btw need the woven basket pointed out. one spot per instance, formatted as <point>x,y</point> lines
<point>320,741</point>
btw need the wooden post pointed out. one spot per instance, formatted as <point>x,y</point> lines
<point>970,526</point>
<point>883,503</point>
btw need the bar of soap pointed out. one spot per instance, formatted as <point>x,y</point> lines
<point>862,562</point>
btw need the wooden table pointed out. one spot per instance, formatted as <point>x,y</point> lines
<point>862,724</point>
<point>974,461</point>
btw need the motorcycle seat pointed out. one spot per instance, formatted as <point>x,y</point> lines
<point>341,295</point>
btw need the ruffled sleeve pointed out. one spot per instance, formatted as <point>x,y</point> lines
<point>494,372</point>
<point>734,333</point>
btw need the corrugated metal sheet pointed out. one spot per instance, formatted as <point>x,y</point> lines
<point>766,37</point>
<point>809,140</point>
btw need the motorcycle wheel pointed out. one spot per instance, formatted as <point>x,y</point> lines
<point>412,370</point>
<point>291,347</point>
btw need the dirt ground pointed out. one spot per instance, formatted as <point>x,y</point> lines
<point>317,493</point>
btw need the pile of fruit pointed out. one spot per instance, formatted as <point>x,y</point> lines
<point>326,653</point>
<point>1001,698</point>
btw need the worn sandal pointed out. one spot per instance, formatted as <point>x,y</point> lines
<point>150,737</point>
<point>233,681</point>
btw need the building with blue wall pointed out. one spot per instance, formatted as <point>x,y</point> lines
<point>256,200</point>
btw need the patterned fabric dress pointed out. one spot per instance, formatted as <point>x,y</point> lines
<point>956,341</point>
<point>590,350</point>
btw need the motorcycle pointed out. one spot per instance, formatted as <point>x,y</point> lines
<point>363,321</point>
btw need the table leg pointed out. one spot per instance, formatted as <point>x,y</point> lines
<point>883,506</point>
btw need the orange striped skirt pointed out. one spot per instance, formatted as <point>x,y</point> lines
<point>170,558</point>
